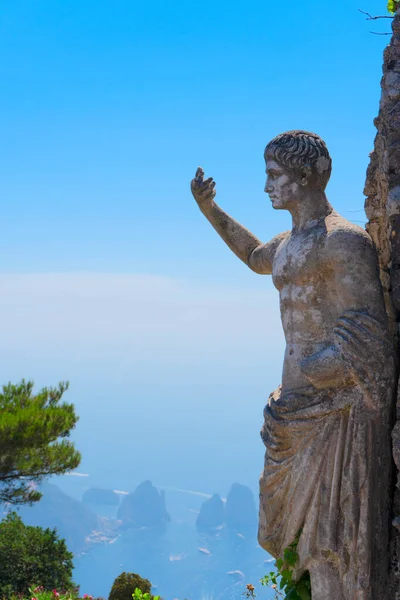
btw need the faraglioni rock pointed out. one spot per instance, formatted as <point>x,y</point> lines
<point>211,515</point>
<point>144,508</point>
<point>240,509</point>
<point>327,426</point>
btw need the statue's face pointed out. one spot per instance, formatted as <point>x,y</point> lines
<point>281,186</point>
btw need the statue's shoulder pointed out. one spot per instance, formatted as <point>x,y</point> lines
<point>272,246</point>
<point>345,237</point>
<point>281,237</point>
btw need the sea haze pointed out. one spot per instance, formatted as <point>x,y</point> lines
<point>169,377</point>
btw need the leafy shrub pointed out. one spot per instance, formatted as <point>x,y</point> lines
<point>393,6</point>
<point>29,555</point>
<point>39,593</point>
<point>125,585</point>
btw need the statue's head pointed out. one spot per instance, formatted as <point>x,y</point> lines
<point>296,162</point>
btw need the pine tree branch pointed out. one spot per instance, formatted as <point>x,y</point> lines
<point>30,475</point>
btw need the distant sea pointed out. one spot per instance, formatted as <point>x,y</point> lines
<point>180,561</point>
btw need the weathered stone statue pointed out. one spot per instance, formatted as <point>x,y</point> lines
<point>326,429</point>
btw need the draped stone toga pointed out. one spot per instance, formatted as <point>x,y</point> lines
<point>326,459</point>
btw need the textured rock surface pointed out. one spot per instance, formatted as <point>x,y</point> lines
<point>240,509</point>
<point>383,211</point>
<point>74,521</point>
<point>211,513</point>
<point>327,427</point>
<point>144,508</point>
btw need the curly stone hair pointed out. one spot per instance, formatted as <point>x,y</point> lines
<point>303,152</point>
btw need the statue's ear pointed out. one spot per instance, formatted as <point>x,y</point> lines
<point>306,172</point>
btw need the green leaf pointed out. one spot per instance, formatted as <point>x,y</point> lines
<point>287,575</point>
<point>290,557</point>
<point>279,563</point>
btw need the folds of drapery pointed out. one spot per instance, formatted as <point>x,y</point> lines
<point>327,465</point>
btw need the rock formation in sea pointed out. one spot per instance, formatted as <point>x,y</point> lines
<point>74,521</point>
<point>240,513</point>
<point>211,515</point>
<point>145,507</point>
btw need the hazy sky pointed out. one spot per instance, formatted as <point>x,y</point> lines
<point>110,275</point>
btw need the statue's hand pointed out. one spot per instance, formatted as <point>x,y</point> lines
<point>203,190</point>
<point>327,369</point>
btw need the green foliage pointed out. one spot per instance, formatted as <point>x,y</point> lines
<point>126,584</point>
<point>393,6</point>
<point>282,580</point>
<point>31,426</point>
<point>139,595</point>
<point>29,555</point>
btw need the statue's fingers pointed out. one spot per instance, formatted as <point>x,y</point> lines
<point>199,173</point>
<point>198,181</point>
<point>354,340</point>
<point>356,326</point>
<point>204,185</point>
<point>359,318</point>
<point>209,184</point>
<point>352,343</point>
<point>352,328</point>
<point>342,334</point>
<point>353,316</point>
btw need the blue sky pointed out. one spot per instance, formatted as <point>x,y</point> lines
<point>108,107</point>
<point>106,110</point>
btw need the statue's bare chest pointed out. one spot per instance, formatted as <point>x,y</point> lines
<point>299,259</point>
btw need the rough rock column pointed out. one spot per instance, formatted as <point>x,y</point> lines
<point>382,208</point>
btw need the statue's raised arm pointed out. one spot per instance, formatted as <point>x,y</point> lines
<point>256,255</point>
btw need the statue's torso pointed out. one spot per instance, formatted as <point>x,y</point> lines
<point>304,273</point>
